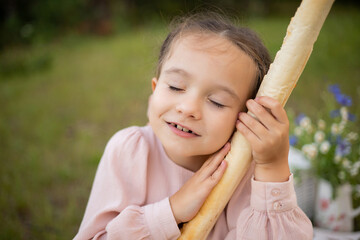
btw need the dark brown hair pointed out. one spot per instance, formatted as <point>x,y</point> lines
<point>214,23</point>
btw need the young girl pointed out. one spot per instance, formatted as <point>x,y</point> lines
<point>152,179</point>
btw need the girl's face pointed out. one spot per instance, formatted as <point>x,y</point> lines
<point>203,85</point>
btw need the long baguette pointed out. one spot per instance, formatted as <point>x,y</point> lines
<point>279,82</point>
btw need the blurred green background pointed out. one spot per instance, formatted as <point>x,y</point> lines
<point>72,73</point>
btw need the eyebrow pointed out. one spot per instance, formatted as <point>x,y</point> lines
<point>177,71</point>
<point>188,75</point>
<point>228,90</point>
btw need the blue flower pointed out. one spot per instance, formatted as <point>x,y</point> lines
<point>293,140</point>
<point>351,117</point>
<point>335,89</point>
<point>299,118</point>
<point>335,113</point>
<point>343,99</point>
<point>343,147</point>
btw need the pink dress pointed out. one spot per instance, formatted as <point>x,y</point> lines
<point>135,178</point>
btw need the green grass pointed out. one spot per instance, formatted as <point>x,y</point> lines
<point>61,102</point>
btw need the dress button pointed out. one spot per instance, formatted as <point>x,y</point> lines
<point>278,205</point>
<point>275,192</point>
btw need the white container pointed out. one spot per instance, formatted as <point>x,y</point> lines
<point>305,187</point>
<point>323,234</point>
<point>334,214</point>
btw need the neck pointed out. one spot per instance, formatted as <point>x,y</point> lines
<point>192,163</point>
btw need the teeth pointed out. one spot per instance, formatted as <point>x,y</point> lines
<point>181,128</point>
<point>185,130</point>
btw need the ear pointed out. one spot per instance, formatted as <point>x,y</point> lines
<point>154,82</point>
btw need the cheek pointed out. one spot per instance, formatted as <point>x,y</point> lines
<point>153,105</point>
<point>223,125</point>
<point>157,104</point>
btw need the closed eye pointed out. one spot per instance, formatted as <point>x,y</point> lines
<point>172,88</point>
<point>216,104</point>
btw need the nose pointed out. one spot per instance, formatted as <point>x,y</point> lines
<point>190,107</point>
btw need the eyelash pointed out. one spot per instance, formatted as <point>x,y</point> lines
<point>172,88</point>
<point>216,104</point>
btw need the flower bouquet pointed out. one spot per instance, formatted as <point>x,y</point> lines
<point>331,145</point>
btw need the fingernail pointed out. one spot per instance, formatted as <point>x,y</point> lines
<point>251,102</point>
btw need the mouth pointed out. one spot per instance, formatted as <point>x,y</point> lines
<point>182,128</point>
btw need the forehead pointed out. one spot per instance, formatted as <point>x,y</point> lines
<point>213,59</point>
<point>214,46</point>
<point>205,42</point>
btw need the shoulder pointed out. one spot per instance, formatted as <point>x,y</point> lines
<point>132,143</point>
<point>128,139</point>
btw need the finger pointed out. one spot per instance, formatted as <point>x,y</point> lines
<point>219,172</point>
<point>223,151</point>
<point>262,114</point>
<point>214,161</point>
<point>219,156</point>
<point>277,110</point>
<point>248,134</point>
<point>253,125</point>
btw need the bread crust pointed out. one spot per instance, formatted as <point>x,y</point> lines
<point>279,82</point>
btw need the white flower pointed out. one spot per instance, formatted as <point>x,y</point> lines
<point>335,130</point>
<point>342,125</point>
<point>355,168</point>
<point>357,164</point>
<point>337,159</point>
<point>324,147</point>
<point>305,122</point>
<point>298,131</point>
<point>321,124</point>
<point>310,150</point>
<point>341,175</point>
<point>319,136</point>
<point>309,128</point>
<point>354,171</point>
<point>352,136</point>
<point>344,113</point>
<point>346,163</point>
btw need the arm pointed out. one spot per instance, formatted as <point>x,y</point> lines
<point>250,213</point>
<point>187,201</point>
<point>273,212</point>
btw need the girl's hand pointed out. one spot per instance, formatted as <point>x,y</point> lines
<point>269,138</point>
<point>186,202</point>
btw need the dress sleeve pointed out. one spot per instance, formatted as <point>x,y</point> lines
<point>273,213</point>
<point>116,208</point>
